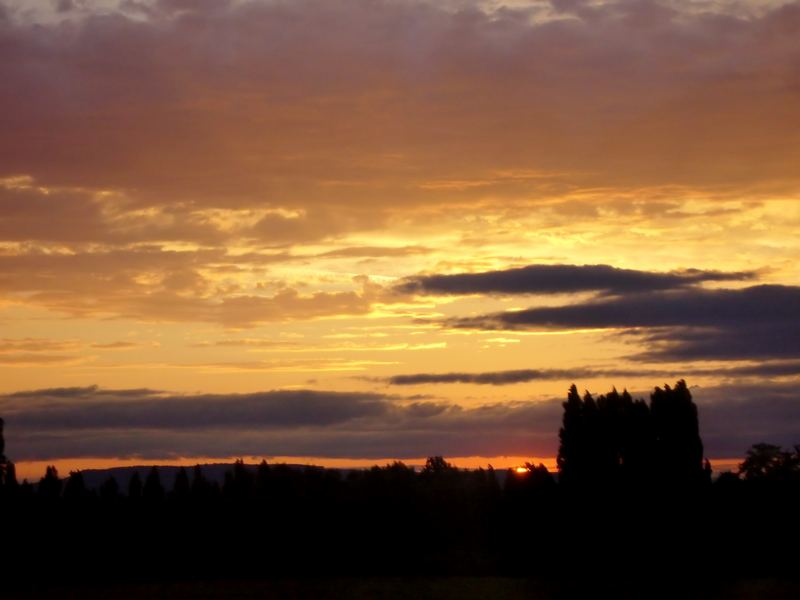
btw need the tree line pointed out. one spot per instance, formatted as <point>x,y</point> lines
<point>631,474</point>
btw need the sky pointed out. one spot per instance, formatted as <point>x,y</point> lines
<point>350,231</point>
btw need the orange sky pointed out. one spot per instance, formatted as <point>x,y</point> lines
<point>230,218</point>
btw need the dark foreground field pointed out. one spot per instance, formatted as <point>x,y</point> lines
<point>445,588</point>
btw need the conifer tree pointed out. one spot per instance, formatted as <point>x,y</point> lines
<point>153,491</point>
<point>50,485</point>
<point>135,487</point>
<point>109,491</point>
<point>181,488</point>
<point>679,449</point>
<point>570,439</point>
<point>75,488</point>
<point>199,489</point>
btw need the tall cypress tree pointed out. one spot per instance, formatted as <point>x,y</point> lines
<point>570,436</point>
<point>679,449</point>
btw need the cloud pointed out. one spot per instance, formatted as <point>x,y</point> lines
<point>119,345</point>
<point>89,408</point>
<point>757,305</point>
<point>8,345</point>
<point>754,322</point>
<point>28,352</point>
<point>559,279</point>
<point>300,103</point>
<point>734,417</point>
<point>154,284</point>
<point>72,422</point>
<point>80,215</point>
<point>779,340</point>
<point>489,378</point>
<point>31,359</point>
<point>152,425</point>
<point>303,123</point>
<point>510,377</point>
<point>374,251</point>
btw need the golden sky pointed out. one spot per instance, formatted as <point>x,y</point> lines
<point>358,230</point>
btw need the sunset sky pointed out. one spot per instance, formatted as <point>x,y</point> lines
<point>348,231</point>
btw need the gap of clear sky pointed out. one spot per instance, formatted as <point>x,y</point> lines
<point>357,231</point>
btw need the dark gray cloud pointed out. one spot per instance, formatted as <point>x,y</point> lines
<point>92,422</point>
<point>768,369</point>
<point>488,378</point>
<point>745,341</point>
<point>734,417</point>
<point>560,279</point>
<point>703,308</point>
<point>92,408</point>
<point>75,422</point>
<point>750,323</point>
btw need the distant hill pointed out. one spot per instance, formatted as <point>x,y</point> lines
<point>215,472</point>
<point>94,478</point>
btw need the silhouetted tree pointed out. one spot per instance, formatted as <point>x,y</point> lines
<point>768,462</point>
<point>728,481</point>
<point>679,449</point>
<point>109,490</point>
<point>11,476</point>
<point>437,465</point>
<point>638,444</point>
<point>2,443</point>
<point>135,487</point>
<point>540,477</point>
<point>181,488</point>
<point>199,489</point>
<point>571,454</point>
<point>238,482</point>
<point>75,488</point>
<point>153,491</point>
<point>3,461</point>
<point>262,480</point>
<point>616,439</point>
<point>528,483</point>
<point>49,487</point>
<point>492,487</point>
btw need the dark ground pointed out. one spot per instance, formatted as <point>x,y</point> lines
<point>414,588</point>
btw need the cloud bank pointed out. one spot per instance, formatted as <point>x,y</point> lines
<point>754,322</point>
<point>96,422</point>
<point>250,101</point>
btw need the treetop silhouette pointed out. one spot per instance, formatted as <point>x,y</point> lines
<point>616,439</point>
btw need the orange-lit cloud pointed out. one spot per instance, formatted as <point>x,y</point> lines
<point>221,197</point>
